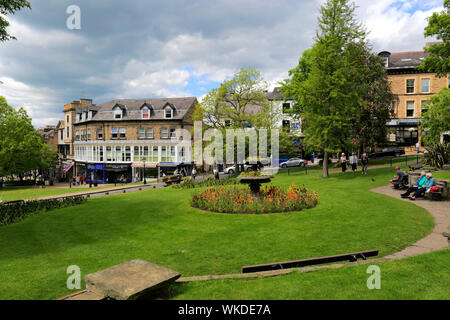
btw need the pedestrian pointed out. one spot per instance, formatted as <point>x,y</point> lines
<point>364,163</point>
<point>343,162</point>
<point>216,173</point>
<point>354,161</point>
<point>77,179</point>
<point>418,147</point>
<point>194,173</point>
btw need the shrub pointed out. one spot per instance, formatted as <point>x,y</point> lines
<point>208,181</point>
<point>16,211</point>
<point>437,154</point>
<point>239,199</point>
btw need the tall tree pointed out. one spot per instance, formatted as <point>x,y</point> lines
<point>326,95</point>
<point>437,119</point>
<point>439,59</point>
<point>240,102</point>
<point>9,7</point>
<point>22,148</point>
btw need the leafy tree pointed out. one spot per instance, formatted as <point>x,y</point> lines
<point>439,59</point>
<point>240,102</point>
<point>437,119</point>
<point>9,7</point>
<point>22,148</point>
<point>327,97</point>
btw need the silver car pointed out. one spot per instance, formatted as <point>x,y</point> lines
<point>293,162</point>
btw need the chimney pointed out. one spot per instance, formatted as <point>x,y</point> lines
<point>85,103</point>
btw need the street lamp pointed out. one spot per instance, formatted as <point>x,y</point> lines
<point>145,181</point>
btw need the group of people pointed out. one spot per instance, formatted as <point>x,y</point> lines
<point>79,180</point>
<point>419,188</point>
<point>353,162</point>
<point>183,172</point>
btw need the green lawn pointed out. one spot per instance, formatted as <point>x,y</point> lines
<point>442,175</point>
<point>27,193</point>
<point>160,226</point>
<point>420,277</point>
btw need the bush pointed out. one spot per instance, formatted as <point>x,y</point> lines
<point>437,155</point>
<point>208,181</point>
<point>16,211</point>
<point>239,199</point>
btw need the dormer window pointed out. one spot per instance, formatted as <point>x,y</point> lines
<point>145,113</point>
<point>89,115</point>
<point>83,116</point>
<point>117,113</point>
<point>168,113</point>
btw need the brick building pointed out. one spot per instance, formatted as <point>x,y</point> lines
<point>412,90</point>
<point>115,140</point>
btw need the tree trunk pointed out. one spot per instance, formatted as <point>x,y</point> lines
<point>325,164</point>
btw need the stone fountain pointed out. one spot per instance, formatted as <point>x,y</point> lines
<point>255,182</point>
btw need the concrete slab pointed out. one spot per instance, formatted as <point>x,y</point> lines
<point>130,280</point>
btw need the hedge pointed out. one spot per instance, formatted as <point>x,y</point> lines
<point>17,210</point>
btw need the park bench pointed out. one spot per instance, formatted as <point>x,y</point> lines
<point>172,179</point>
<point>441,191</point>
<point>12,202</point>
<point>351,257</point>
<point>402,184</point>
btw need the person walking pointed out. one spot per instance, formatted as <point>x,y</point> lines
<point>418,147</point>
<point>364,163</point>
<point>194,173</point>
<point>353,162</point>
<point>343,162</point>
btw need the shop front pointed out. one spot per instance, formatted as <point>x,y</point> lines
<point>118,173</point>
<point>96,173</point>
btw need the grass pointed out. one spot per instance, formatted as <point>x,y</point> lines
<point>32,192</point>
<point>160,226</point>
<point>420,277</point>
<point>442,175</point>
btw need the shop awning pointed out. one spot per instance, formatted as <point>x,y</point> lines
<point>67,167</point>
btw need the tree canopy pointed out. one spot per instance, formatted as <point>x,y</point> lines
<point>437,119</point>
<point>439,59</point>
<point>9,7</point>
<point>22,148</point>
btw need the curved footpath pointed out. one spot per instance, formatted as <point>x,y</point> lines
<point>434,241</point>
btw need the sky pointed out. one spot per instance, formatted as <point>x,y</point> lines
<point>173,48</point>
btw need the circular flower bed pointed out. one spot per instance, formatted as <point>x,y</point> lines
<point>240,200</point>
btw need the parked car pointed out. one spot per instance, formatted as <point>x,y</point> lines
<point>293,162</point>
<point>388,152</point>
<point>247,167</point>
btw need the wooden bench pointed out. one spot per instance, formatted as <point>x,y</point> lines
<point>172,179</point>
<point>440,193</point>
<point>351,257</point>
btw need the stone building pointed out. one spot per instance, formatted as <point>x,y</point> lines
<point>412,90</point>
<point>116,140</point>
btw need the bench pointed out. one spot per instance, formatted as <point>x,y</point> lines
<point>172,179</point>
<point>441,191</point>
<point>12,202</point>
<point>351,257</point>
<point>402,184</point>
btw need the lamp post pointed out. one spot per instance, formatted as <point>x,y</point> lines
<point>145,181</point>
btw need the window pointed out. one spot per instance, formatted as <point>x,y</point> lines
<point>172,156</point>
<point>425,85</point>
<point>83,135</point>
<point>83,116</point>
<point>410,108</point>
<point>89,134</point>
<point>286,107</point>
<point>77,135</point>
<point>89,115</point>
<point>164,133</point>
<point>286,125</point>
<point>145,113</point>
<point>173,133</point>
<point>114,133</point>
<point>386,62</point>
<point>141,133</point>
<point>122,133</point>
<point>410,86</point>
<point>155,154</point>
<point>108,154</point>
<point>393,108</point>
<point>117,113</point>
<point>164,154</point>
<point>99,134</point>
<point>168,113</point>
<point>67,132</point>
<point>67,119</point>
<point>62,134</point>
<point>150,133</point>
<point>424,106</point>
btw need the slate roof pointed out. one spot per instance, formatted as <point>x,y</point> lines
<point>132,108</point>
<point>404,60</point>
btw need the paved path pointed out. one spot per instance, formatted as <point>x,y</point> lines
<point>434,241</point>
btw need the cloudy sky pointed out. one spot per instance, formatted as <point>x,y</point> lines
<point>149,48</point>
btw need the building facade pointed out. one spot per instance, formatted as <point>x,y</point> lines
<point>412,90</point>
<point>123,140</point>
